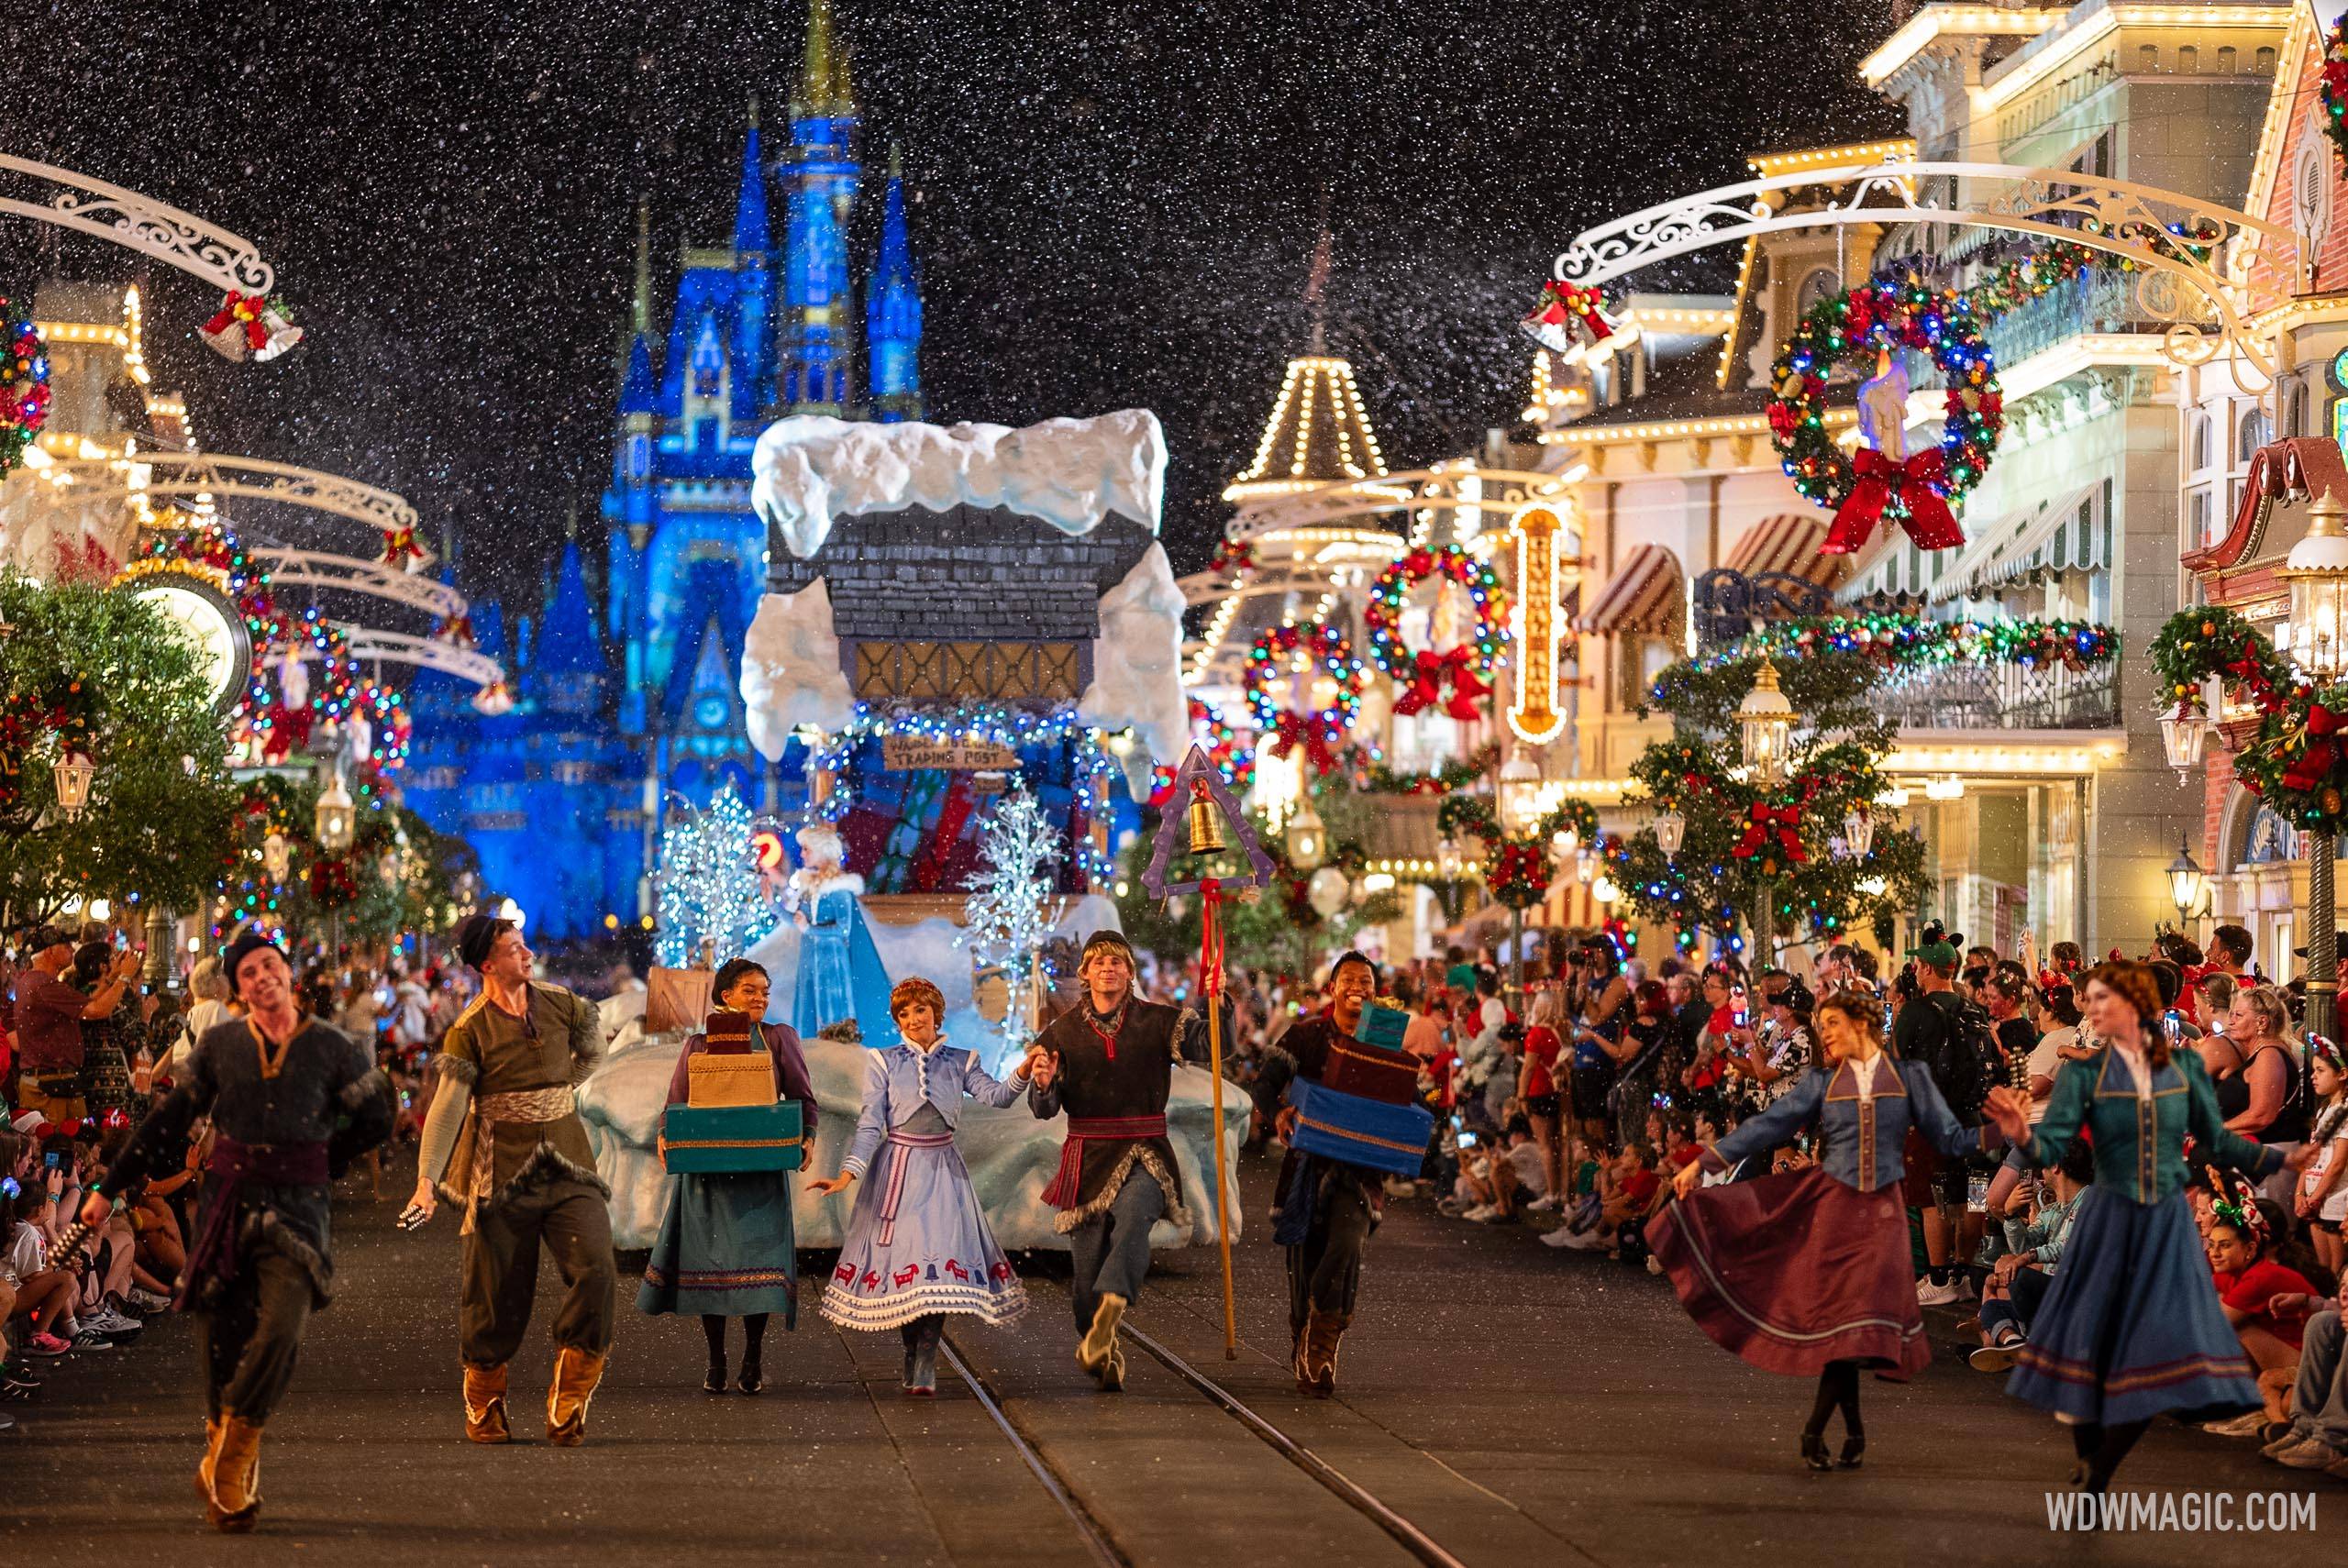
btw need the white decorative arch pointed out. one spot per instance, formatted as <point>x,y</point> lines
<point>192,474</point>
<point>426,653</point>
<point>316,568</point>
<point>2110,215</point>
<point>123,216</point>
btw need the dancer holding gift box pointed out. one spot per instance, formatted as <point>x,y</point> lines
<point>918,1245</point>
<point>726,1248</point>
<point>1328,1203</point>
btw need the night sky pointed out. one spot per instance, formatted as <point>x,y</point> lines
<point>1118,201</point>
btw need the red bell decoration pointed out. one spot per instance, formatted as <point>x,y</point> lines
<point>1565,315</point>
<point>249,327</point>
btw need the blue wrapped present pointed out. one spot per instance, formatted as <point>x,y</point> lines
<point>1382,1026</point>
<point>1360,1131</point>
<point>707,1139</point>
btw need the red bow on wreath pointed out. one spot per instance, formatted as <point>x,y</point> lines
<point>1426,684</point>
<point>1762,822</point>
<point>400,547</point>
<point>1309,730</point>
<point>1930,524</point>
<point>2319,753</point>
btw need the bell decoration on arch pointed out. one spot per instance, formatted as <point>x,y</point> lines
<point>251,327</point>
<point>1566,314</point>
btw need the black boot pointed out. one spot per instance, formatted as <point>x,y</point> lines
<point>920,1378</point>
<point>1813,1450</point>
<point>714,1380</point>
<point>1854,1445</point>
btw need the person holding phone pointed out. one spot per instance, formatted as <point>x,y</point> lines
<point>49,1011</point>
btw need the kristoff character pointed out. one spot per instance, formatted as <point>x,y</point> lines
<point>504,1142</point>
<point>1109,1063</point>
<point>292,1102</point>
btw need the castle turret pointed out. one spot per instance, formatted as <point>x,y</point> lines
<point>819,176</point>
<point>892,310</point>
<point>753,383</point>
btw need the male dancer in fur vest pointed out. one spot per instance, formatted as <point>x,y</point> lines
<point>504,1129</point>
<point>1109,1063</point>
<point>293,1102</point>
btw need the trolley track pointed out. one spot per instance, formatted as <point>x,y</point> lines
<point>1097,1538</point>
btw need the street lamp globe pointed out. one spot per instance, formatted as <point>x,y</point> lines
<point>2317,573</point>
<point>1765,719</point>
<point>1670,832</point>
<point>1858,831</point>
<point>2185,879</point>
<point>1520,793</point>
<point>1449,865</point>
<point>337,817</point>
<point>72,776</point>
<point>2183,734</point>
<point>1307,845</point>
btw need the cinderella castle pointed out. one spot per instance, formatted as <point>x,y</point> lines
<point>618,704</point>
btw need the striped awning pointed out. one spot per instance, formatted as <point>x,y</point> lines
<point>2065,533</point>
<point>1647,595</point>
<point>1789,543</point>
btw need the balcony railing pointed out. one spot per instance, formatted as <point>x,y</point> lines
<point>2000,697</point>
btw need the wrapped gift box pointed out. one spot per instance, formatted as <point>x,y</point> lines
<point>1340,1126</point>
<point>1388,1076</point>
<point>1381,1026</point>
<point>724,1138</point>
<point>728,1079</point>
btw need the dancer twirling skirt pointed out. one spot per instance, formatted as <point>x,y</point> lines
<point>726,1248</point>
<point>1807,1271</point>
<point>2132,1326</point>
<point>918,1245</point>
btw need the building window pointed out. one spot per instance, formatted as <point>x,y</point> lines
<point>2311,190</point>
<point>2250,436</point>
<point>2229,58</point>
<point>2200,442</point>
<point>2264,63</point>
<point>2188,60</point>
<point>2200,517</point>
<point>2148,58</point>
<point>2340,422</point>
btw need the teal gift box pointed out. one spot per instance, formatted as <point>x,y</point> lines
<point>1358,1131</point>
<point>718,1139</point>
<point>1382,1026</point>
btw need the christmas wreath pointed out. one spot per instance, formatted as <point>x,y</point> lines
<point>2332,90</point>
<point>1233,558</point>
<point>1849,329</point>
<point>1421,675</point>
<point>1373,777</point>
<point>23,386</point>
<point>2297,760</point>
<point>1232,758</point>
<point>1516,865</point>
<point>1315,730</point>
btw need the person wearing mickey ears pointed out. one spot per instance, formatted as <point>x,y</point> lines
<point>293,1102</point>
<point>1109,1062</point>
<point>505,1142</point>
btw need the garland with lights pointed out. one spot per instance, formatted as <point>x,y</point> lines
<point>2297,760</point>
<point>2037,272</point>
<point>1316,730</point>
<point>1850,329</point>
<point>972,723</point>
<point>1420,676</point>
<point>1516,865</point>
<point>23,386</point>
<point>2332,89</point>
<point>1230,756</point>
<point>1912,642</point>
<point>1371,775</point>
<point>274,804</point>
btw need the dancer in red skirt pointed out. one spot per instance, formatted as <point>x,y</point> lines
<point>1807,1273</point>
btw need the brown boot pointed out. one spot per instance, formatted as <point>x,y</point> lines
<point>576,1372</point>
<point>236,1476</point>
<point>1317,1361</point>
<point>1296,1361</point>
<point>485,1405</point>
<point>211,1457</point>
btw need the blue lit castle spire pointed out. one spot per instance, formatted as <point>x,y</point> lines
<point>626,704</point>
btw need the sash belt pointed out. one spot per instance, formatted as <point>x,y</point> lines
<point>1083,1130</point>
<point>900,1147</point>
<point>231,1165</point>
<point>515,1105</point>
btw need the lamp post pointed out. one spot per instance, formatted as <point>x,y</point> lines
<point>2186,880</point>
<point>1519,806</point>
<point>1765,722</point>
<point>1450,866</point>
<point>2317,573</point>
<point>337,824</point>
<point>1670,832</point>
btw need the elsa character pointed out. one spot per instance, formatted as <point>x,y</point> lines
<point>840,975</point>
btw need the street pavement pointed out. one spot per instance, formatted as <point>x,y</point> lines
<point>1520,1406</point>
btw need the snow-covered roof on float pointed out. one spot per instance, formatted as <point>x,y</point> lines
<point>811,470</point>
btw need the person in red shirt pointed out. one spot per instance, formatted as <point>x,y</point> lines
<point>48,1023</point>
<point>2266,1300</point>
<point>1537,1086</point>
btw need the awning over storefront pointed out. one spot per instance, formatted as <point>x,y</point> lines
<point>1789,543</point>
<point>2068,533</point>
<point>1647,595</point>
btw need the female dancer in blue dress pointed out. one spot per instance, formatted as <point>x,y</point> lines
<point>2131,1326</point>
<point>1807,1272</point>
<point>918,1246</point>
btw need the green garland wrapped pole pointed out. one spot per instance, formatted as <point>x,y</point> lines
<point>1516,865</point>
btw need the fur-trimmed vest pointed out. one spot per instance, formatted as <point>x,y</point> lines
<point>493,1053</point>
<point>1132,1080</point>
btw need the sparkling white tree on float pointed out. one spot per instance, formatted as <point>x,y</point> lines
<point>1012,907</point>
<point>707,890</point>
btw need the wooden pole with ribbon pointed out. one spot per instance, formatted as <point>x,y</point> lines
<point>1211,807</point>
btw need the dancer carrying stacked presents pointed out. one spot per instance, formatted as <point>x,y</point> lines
<point>504,1131</point>
<point>1109,1063</point>
<point>1807,1271</point>
<point>293,1102</point>
<point>918,1245</point>
<point>2132,1327</point>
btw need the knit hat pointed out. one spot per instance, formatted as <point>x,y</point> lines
<point>1106,936</point>
<point>248,941</point>
<point>476,934</point>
